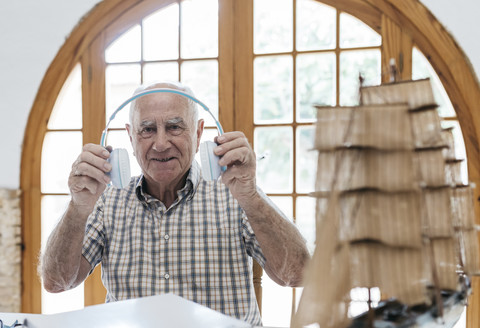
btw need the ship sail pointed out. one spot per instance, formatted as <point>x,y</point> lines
<point>392,212</point>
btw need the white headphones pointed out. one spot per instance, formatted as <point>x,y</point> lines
<point>120,173</point>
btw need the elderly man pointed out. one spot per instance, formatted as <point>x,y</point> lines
<point>169,230</point>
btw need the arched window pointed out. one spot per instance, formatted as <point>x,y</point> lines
<point>259,64</point>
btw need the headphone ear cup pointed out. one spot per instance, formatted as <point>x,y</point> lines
<point>211,170</point>
<point>120,173</point>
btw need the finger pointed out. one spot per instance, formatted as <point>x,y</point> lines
<point>83,183</point>
<point>90,151</point>
<point>84,169</point>
<point>229,136</point>
<point>236,172</point>
<point>97,150</point>
<point>237,156</point>
<point>95,161</point>
<point>91,155</point>
<point>230,144</point>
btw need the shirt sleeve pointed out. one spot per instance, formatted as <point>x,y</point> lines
<point>251,242</point>
<point>94,239</point>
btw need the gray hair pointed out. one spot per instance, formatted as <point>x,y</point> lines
<point>170,85</point>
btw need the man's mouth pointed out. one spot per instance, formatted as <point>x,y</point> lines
<point>163,160</point>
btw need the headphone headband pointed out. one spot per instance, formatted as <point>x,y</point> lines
<point>157,90</point>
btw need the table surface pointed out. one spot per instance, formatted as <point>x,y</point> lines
<point>160,311</point>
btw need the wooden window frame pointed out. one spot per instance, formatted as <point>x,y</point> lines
<point>401,23</point>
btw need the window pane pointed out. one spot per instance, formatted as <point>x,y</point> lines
<point>121,82</point>
<point>273,89</point>
<point>316,84</point>
<point>126,48</point>
<point>160,72</point>
<point>199,28</point>
<point>352,64</point>
<point>421,69</point>
<point>305,220</point>
<point>160,34</point>
<point>209,134</point>
<point>274,174</point>
<point>273,26</point>
<point>202,77</point>
<point>67,112</point>
<point>316,25</point>
<point>276,304</point>
<point>359,300</point>
<point>285,205</point>
<point>306,160</point>
<point>355,33</point>
<point>60,150</point>
<point>52,210</point>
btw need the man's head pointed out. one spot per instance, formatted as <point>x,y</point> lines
<point>168,85</point>
<point>165,134</point>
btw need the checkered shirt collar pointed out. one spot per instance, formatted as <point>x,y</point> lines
<point>191,185</point>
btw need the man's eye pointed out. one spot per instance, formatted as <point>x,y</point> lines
<point>147,131</point>
<point>175,129</point>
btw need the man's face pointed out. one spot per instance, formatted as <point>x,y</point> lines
<point>165,138</point>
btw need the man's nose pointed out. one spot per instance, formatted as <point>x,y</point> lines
<point>162,140</point>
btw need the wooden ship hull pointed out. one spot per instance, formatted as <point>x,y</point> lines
<point>394,314</point>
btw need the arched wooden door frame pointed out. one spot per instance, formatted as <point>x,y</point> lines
<point>414,20</point>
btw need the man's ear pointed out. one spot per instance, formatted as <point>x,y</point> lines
<point>200,125</point>
<point>129,129</point>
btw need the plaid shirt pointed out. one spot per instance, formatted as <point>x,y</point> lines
<point>200,248</point>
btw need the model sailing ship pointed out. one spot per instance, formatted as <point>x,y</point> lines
<point>393,216</point>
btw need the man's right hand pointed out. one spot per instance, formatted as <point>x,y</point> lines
<point>88,177</point>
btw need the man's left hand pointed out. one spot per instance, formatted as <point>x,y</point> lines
<point>238,156</point>
<point>282,244</point>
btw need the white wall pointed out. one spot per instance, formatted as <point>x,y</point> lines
<point>460,18</point>
<point>32,32</point>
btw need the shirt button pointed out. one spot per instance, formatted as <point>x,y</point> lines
<point>167,237</point>
<point>166,276</point>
